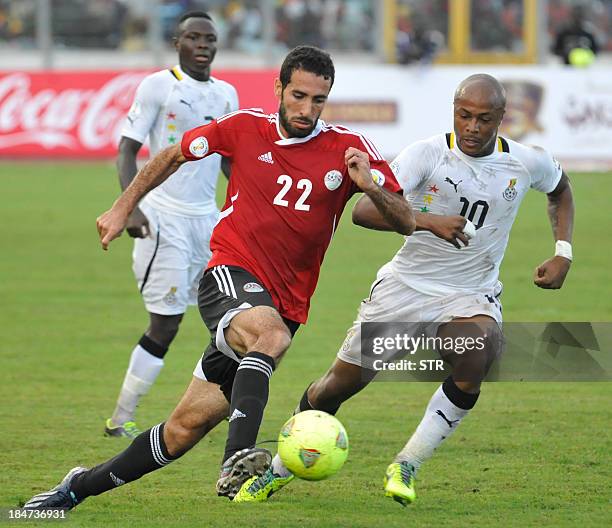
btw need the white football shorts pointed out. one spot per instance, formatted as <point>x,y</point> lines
<point>391,300</point>
<point>169,263</point>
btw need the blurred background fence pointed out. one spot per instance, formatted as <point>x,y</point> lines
<point>47,33</point>
<point>69,68</point>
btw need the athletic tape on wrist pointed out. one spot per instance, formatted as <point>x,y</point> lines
<point>563,249</point>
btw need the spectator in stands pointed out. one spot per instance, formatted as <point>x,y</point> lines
<point>577,34</point>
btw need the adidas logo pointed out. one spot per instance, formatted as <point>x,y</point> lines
<point>117,480</point>
<point>236,414</point>
<point>267,158</point>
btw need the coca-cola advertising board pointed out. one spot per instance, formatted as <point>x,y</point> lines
<point>80,114</point>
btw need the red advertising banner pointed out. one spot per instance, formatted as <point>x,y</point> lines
<point>75,114</point>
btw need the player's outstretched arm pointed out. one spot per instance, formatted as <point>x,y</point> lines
<point>138,224</point>
<point>449,228</point>
<point>395,211</point>
<point>551,273</point>
<point>111,223</point>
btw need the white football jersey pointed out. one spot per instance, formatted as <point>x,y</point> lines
<point>438,178</point>
<point>167,104</point>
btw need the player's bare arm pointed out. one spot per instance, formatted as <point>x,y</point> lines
<point>226,167</point>
<point>449,228</point>
<point>551,273</point>
<point>394,209</point>
<point>137,224</point>
<point>111,223</point>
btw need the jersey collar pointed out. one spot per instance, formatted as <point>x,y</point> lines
<point>283,141</point>
<point>181,75</point>
<point>499,148</point>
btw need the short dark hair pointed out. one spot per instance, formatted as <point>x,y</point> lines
<point>192,14</point>
<point>310,59</point>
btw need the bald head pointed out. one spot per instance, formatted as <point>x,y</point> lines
<point>479,105</point>
<point>482,88</point>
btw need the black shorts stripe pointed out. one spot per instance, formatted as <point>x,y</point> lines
<point>146,277</point>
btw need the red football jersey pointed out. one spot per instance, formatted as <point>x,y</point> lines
<point>284,199</point>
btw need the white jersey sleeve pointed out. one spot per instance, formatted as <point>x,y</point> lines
<point>233,98</point>
<point>144,110</point>
<point>415,163</point>
<point>545,170</point>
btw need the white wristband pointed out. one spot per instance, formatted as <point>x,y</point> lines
<point>563,249</point>
<point>469,230</point>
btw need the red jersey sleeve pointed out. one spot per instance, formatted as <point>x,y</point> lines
<point>381,172</point>
<point>383,175</point>
<point>218,137</point>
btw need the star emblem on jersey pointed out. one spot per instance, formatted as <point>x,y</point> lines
<point>378,177</point>
<point>428,198</point>
<point>266,158</point>
<point>510,192</point>
<point>333,179</point>
<point>433,189</point>
<point>171,115</point>
<point>172,140</point>
<point>424,210</point>
<point>236,414</point>
<point>199,147</point>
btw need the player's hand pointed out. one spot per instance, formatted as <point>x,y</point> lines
<point>449,228</point>
<point>551,274</point>
<point>137,224</point>
<point>110,225</point>
<point>358,164</point>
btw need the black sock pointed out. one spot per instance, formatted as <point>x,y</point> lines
<point>249,398</point>
<point>153,348</point>
<point>463,400</point>
<point>305,405</point>
<point>145,454</point>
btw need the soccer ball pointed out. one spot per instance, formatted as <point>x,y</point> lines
<point>313,445</point>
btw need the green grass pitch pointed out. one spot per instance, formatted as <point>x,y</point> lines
<point>531,454</point>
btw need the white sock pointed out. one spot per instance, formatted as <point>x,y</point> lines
<point>279,468</point>
<point>440,420</point>
<point>140,376</point>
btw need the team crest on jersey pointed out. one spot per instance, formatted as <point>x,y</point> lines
<point>510,192</point>
<point>252,287</point>
<point>378,177</point>
<point>333,179</point>
<point>199,147</point>
<point>170,297</point>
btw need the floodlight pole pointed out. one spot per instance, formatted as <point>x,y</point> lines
<point>269,30</point>
<point>44,38</point>
<point>543,39</point>
<point>156,38</point>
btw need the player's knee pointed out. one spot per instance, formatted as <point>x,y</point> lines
<point>163,328</point>
<point>274,341</point>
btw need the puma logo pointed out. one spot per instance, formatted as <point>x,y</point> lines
<point>186,104</point>
<point>448,180</point>
<point>449,422</point>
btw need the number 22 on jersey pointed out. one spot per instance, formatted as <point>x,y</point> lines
<point>286,183</point>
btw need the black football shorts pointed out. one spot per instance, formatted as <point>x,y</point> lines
<point>224,292</point>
